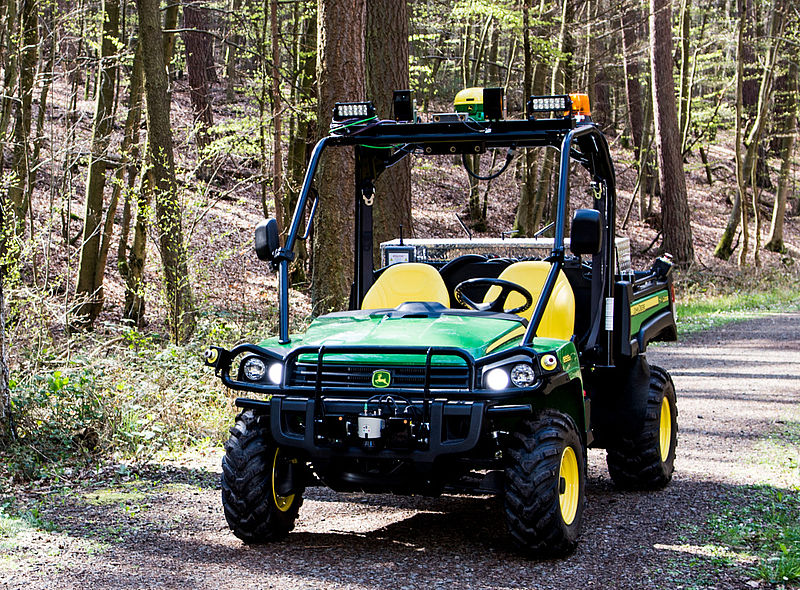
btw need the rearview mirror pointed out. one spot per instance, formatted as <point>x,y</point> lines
<point>586,236</point>
<point>267,240</point>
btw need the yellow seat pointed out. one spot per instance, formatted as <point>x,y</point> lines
<point>559,315</point>
<point>404,282</point>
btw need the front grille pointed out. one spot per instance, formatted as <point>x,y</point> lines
<point>404,376</point>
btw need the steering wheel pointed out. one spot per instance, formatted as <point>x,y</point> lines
<point>506,288</point>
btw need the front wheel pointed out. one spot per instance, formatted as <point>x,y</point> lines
<point>544,485</point>
<point>646,459</point>
<point>260,494</point>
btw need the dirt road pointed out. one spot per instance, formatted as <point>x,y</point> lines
<point>163,528</point>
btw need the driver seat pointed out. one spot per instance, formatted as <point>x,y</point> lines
<point>559,315</point>
<point>405,282</point>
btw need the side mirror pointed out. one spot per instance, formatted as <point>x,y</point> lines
<point>586,236</point>
<point>267,240</point>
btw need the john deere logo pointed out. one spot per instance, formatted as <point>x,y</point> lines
<point>381,378</point>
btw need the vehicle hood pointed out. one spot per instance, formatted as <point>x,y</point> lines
<point>476,335</point>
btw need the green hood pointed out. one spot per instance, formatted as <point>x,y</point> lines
<point>477,335</point>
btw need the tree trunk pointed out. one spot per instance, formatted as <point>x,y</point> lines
<point>134,274</point>
<point>133,269</point>
<point>230,54</point>
<point>5,390</point>
<point>168,39</point>
<point>788,131</point>
<point>89,288</point>
<point>161,175</point>
<point>277,118</point>
<point>674,202</point>
<point>21,159</point>
<point>386,71</point>
<point>340,77</point>
<point>524,219</point>
<point>685,88</point>
<point>10,71</point>
<point>199,52</point>
<point>631,15</point>
<point>130,156</point>
<point>303,133</point>
<point>598,82</point>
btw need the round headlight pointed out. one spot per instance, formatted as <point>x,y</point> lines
<point>522,375</point>
<point>254,369</point>
<point>275,373</point>
<point>497,379</point>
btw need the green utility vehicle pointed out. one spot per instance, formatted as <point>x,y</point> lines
<point>490,371</point>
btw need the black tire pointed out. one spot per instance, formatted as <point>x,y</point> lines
<point>252,467</point>
<point>534,492</point>
<point>646,461</point>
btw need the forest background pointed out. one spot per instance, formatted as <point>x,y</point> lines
<point>141,143</point>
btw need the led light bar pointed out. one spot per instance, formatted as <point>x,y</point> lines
<point>545,104</point>
<point>344,111</point>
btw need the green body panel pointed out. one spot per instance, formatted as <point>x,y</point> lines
<point>476,335</point>
<point>643,309</point>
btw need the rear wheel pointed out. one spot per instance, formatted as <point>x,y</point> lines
<point>646,460</point>
<point>259,495</point>
<point>544,485</point>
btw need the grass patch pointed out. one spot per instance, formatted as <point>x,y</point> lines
<point>12,525</point>
<point>764,522</point>
<point>697,311</point>
<point>108,497</point>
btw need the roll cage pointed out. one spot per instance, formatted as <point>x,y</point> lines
<point>379,145</point>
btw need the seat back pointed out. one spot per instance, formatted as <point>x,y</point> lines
<point>559,315</point>
<point>404,282</point>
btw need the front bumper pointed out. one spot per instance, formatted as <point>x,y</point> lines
<point>311,438</point>
<point>452,421</point>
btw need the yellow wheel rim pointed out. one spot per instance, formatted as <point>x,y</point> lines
<point>283,503</point>
<point>568,485</point>
<point>665,429</point>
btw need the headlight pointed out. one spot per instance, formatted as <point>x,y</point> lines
<point>275,373</point>
<point>254,369</point>
<point>522,375</point>
<point>497,379</point>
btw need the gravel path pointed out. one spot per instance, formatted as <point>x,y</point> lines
<point>164,528</point>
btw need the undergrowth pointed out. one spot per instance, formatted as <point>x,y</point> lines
<point>133,396</point>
